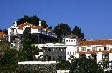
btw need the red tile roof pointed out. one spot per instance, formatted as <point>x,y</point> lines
<point>2,35</point>
<point>28,24</point>
<point>95,42</point>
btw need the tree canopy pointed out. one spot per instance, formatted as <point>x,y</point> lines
<point>8,62</point>
<point>84,65</point>
<point>63,65</point>
<point>28,51</point>
<point>31,19</point>
<point>61,30</point>
<point>77,31</point>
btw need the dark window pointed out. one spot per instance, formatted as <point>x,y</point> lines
<point>49,49</point>
<point>105,48</point>
<point>11,45</point>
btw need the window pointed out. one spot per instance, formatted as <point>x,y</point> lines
<point>66,40</point>
<point>73,53</point>
<point>93,48</point>
<point>105,48</point>
<point>11,45</point>
<point>83,49</point>
<point>49,50</point>
<point>68,53</point>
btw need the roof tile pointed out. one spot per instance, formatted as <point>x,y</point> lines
<point>2,34</point>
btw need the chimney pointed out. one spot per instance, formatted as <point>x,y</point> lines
<point>15,23</point>
<point>39,23</point>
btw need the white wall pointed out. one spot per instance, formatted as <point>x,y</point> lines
<point>15,31</point>
<point>110,56</point>
<point>9,31</point>
<point>71,50</point>
<point>100,47</point>
<point>69,41</point>
<point>38,62</point>
<point>40,53</point>
<point>34,30</point>
<point>63,71</point>
<point>99,56</point>
<point>19,31</point>
<point>110,59</point>
<point>87,55</point>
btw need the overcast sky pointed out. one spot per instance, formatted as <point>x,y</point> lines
<point>94,17</point>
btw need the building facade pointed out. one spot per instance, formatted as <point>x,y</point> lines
<point>52,51</point>
<point>97,49</point>
<point>39,34</point>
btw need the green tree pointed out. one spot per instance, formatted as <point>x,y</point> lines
<point>62,30</point>
<point>8,63</point>
<point>31,19</point>
<point>63,65</point>
<point>4,44</point>
<point>5,31</point>
<point>44,24</point>
<point>0,30</point>
<point>84,65</point>
<point>28,51</point>
<point>77,31</point>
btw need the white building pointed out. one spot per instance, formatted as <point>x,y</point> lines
<point>97,49</point>
<point>40,34</point>
<point>72,45</point>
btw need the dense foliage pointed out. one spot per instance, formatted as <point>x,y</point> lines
<point>8,61</point>
<point>84,65</point>
<point>31,19</point>
<point>63,65</point>
<point>28,51</point>
<point>62,30</point>
<point>77,31</point>
<point>80,65</point>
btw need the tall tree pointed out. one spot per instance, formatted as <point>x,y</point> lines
<point>62,30</point>
<point>77,31</point>
<point>44,24</point>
